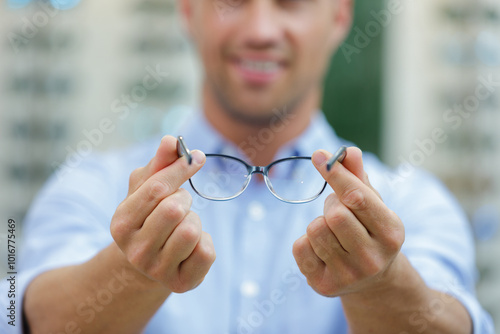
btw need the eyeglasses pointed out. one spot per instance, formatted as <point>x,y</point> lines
<point>292,180</point>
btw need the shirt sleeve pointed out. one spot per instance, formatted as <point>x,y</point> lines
<point>67,224</point>
<point>439,244</point>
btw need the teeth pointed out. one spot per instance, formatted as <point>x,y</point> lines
<point>260,66</point>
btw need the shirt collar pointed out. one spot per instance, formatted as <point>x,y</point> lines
<point>199,134</point>
<point>319,134</point>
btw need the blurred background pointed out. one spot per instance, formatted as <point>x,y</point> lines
<point>416,82</point>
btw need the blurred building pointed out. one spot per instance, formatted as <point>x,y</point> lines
<point>101,74</point>
<point>442,106</point>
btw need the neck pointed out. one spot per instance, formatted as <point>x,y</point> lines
<point>261,142</point>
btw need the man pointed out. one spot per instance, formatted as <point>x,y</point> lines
<point>156,271</point>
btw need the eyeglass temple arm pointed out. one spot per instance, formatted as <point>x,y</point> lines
<point>182,150</point>
<point>338,156</point>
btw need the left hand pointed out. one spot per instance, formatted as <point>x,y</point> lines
<point>353,245</point>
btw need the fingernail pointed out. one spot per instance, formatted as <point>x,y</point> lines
<point>319,158</point>
<point>198,157</point>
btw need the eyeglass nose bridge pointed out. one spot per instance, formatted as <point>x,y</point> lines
<point>257,170</point>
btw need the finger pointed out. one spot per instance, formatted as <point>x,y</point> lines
<point>355,163</point>
<point>359,197</point>
<point>160,224</point>
<point>350,232</point>
<point>309,263</point>
<point>182,242</point>
<point>165,155</point>
<point>197,265</point>
<point>324,242</point>
<point>138,206</point>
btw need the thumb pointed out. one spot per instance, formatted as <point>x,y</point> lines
<point>165,156</point>
<point>353,162</point>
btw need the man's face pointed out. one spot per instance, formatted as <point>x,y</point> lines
<point>261,55</point>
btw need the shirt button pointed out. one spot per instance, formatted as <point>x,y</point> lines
<point>249,289</point>
<point>256,211</point>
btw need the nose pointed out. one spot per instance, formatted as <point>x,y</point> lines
<point>261,24</point>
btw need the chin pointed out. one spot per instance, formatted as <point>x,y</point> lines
<point>252,105</point>
<point>251,117</point>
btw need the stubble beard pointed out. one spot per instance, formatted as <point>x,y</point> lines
<point>247,117</point>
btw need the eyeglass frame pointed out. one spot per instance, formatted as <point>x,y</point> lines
<point>182,150</point>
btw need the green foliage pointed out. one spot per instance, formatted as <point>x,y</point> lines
<point>353,85</point>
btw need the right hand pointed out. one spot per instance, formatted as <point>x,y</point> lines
<point>154,226</point>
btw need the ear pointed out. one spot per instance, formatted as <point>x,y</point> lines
<point>342,21</point>
<point>186,13</point>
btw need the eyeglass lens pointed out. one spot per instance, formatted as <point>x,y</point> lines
<point>293,179</point>
<point>220,178</point>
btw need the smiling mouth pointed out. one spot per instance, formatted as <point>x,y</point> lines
<point>259,72</point>
<point>259,66</point>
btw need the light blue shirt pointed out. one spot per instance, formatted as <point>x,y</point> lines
<point>254,285</point>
